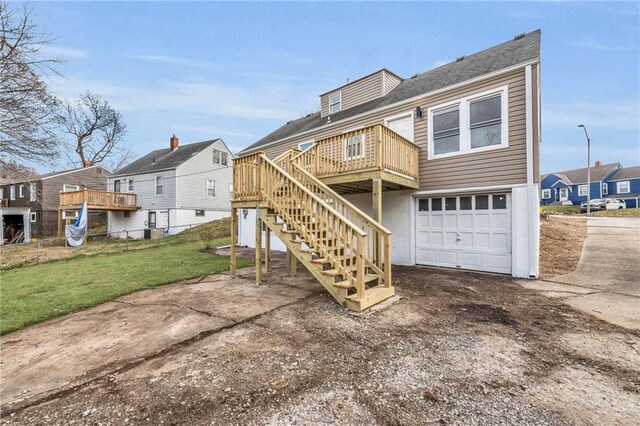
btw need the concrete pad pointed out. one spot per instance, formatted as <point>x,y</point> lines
<point>62,352</point>
<point>611,307</point>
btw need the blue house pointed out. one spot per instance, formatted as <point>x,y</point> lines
<point>625,184</point>
<point>571,185</point>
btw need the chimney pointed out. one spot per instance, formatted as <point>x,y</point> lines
<point>598,163</point>
<point>173,143</point>
<point>86,163</point>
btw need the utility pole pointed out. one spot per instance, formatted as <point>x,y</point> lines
<point>588,169</point>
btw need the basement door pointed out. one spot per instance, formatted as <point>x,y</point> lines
<point>466,232</point>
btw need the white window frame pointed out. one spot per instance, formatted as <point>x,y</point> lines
<point>33,196</point>
<point>230,191</point>
<point>403,115</point>
<point>625,183</point>
<point>346,150</point>
<point>465,122</point>
<point>309,143</point>
<point>70,188</point>
<point>546,194</point>
<point>605,188</point>
<point>12,192</point>
<point>200,215</point>
<point>73,214</point>
<point>130,185</point>
<point>1,192</point>
<point>563,194</point>
<point>582,191</point>
<point>339,102</point>
<point>206,187</point>
<point>159,179</point>
<point>21,190</point>
<point>33,217</point>
<point>216,154</point>
<point>224,159</point>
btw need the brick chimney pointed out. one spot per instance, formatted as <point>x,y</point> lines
<point>598,163</point>
<point>173,143</point>
<point>86,163</point>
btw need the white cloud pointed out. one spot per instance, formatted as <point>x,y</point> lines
<point>62,52</point>
<point>175,60</point>
<point>622,115</point>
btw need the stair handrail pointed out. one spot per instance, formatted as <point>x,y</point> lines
<point>344,231</point>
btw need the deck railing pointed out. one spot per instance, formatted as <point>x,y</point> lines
<point>374,147</point>
<point>4,202</point>
<point>99,199</point>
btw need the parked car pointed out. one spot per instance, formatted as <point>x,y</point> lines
<point>603,204</point>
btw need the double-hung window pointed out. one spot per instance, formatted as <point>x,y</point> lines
<point>211,188</point>
<point>224,158</point>
<point>12,192</point>
<point>623,187</point>
<point>216,156</point>
<point>335,102</point>
<point>32,191</point>
<point>582,190</point>
<point>159,185</point>
<point>354,147</point>
<point>546,194</point>
<point>470,124</point>
<point>130,187</point>
<point>21,188</point>
<point>605,188</point>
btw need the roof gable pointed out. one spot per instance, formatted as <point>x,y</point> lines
<point>626,173</point>
<point>496,58</point>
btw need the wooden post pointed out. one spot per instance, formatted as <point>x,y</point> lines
<point>376,186</point>
<point>258,249</point>
<point>360,269</point>
<point>292,262</point>
<point>267,249</point>
<point>59,223</point>
<point>234,242</point>
<point>378,133</point>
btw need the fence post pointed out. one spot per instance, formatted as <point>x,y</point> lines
<point>37,252</point>
<point>127,240</point>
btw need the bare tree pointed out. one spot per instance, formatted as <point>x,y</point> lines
<point>97,131</point>
<point>27,108</point>
<point>11,170</point>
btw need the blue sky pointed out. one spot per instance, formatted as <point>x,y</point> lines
<point>241,70</point>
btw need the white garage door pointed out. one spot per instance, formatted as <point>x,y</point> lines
<point>467,232</point>
<point>402,125</point>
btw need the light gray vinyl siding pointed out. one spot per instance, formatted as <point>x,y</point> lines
<point>497,167</point>
<point>356,93</point>
<point>144,186</point>
<point>192,181</point>
<point>389,82</point>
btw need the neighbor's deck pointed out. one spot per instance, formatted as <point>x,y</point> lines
<point>98,200</point>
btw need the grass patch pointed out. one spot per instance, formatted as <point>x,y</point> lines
<point>618,213</point>
<point>34,294</point>
<point>561,209</point>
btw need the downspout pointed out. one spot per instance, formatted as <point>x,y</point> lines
<point>533,217</point>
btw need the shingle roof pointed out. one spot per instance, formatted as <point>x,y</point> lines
<point>574,176</point>
<point>495,58</point>
<point>163,159</point>
<point>627,173</point>
<point>52,174</point>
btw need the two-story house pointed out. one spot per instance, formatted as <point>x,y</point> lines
<point>176,187</point>
<point>625,184</point>
<point>439,169</point>
<point>570,186</point>
<point>41,196</point>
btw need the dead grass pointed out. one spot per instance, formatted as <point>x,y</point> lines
<point>618,213</point>
<point>561,242</point>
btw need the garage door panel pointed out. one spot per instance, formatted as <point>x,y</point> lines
<point>476,235</point>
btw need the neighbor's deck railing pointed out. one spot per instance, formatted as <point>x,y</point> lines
<point>374,147</point>
<point>4,202</point>
<point>99,199</point>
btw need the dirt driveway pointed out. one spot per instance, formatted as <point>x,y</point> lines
<point>458,347</point>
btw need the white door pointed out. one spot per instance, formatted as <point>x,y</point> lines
<point>564,194</point>
<point>402,125</point>
<point>467,232</point>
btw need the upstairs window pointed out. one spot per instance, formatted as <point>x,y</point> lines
<point>117,186</point>
<point>335,102</point>
<point>216,156</point>
<point>159,185</point>
<point>471,124</point>
<point>32,192</point>
<point>224,158</point>
<point>211,188</point>
<point>130,188</point>
<point>354,147</point>
<point>21,188</point>
<point>12,192</point>
<point>70,188</point>
<point>623,187</point>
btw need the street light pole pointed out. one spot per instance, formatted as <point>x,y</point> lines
<point>588,169</point>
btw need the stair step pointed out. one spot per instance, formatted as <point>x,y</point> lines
<point>335,273</point>
<point>347,284</point>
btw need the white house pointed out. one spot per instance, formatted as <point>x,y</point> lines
<point>176,188</point>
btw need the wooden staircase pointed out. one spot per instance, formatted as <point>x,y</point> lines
<point>342,247</point>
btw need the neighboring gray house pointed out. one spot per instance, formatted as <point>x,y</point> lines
<point>176,187</point>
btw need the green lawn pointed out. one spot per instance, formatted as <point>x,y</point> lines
<point>32,294</point>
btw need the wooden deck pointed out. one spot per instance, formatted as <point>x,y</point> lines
<point>351,161</point>
<point>98,200</point>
